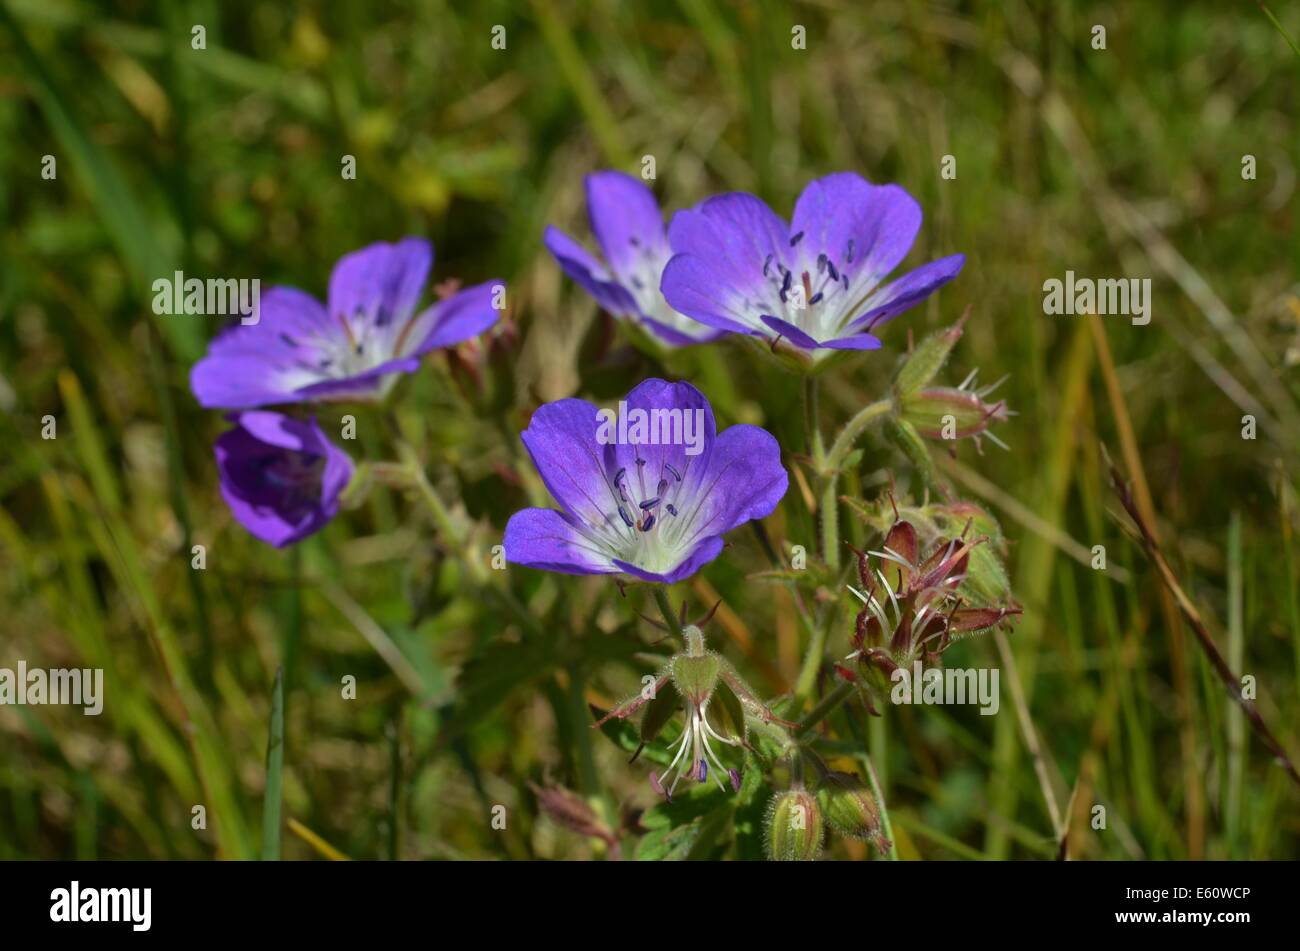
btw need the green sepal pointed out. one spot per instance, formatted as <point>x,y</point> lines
<point>728,716</point>
<point>659,711</point>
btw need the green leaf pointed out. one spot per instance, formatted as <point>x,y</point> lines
<point>628,738</point>
<point>667,844</point>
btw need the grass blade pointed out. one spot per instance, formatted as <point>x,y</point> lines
<point>274,772</point>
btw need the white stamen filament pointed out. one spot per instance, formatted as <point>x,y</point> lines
<point>695,737</point>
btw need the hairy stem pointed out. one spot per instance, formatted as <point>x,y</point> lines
<point>666,609</point>
<point>829,470</point>
<point>855,427</point>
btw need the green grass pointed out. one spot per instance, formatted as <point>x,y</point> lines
<point>471,683</point>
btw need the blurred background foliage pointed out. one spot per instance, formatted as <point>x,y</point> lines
<point>226,162</point>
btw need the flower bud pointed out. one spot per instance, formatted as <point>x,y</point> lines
<point>949,413</point>
<point>794,827</point>
<point>927,359</point>
<point>849,806</point>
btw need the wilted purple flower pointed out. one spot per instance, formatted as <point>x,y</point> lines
<point>650,494</point>
<point>817,282</point>
<point>629,228</point>
<point>280,476</point>
<point>353,347</point>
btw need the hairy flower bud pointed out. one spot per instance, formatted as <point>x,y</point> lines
<point>794,827</point>
<point>950,413</point>
<point>850,808</point>
<point>566,808</point>
<point>926,359</point>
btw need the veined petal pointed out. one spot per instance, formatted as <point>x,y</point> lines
<point>589,272</point>
<point>679,338</point>
<point>258,364</point>
<point>736,229</point>
<point>361,386</point>
<point>692,287</point>
<point>465,314</point>
<point>745,480</point>
<point>281,432</point>
<point>627,222</point>
<point>677,434</point>
<point>378,286</point>
<point>894,298</point>
<point>846,217</point>
<point>790,332</point>
<point>737,234</point>
<point>703,553</point>
<point>853,342</point>
<point>561,438</point>
<point>553,541</point>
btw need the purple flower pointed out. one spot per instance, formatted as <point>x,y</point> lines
<point>280,476</point>
<point>354,347</point>
<point>649,490</point>
<point>817,282</point>
<point>629,228</point>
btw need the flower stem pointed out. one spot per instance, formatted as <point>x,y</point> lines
<point>829,516</point>
<point>825,706</point>
<point>813,443</point>
<point>854,428</point>
<point>829,469</point>
<point>886,827</point>
<point>666,609</point>
<point>437,508</point>
<point>812,663</point>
